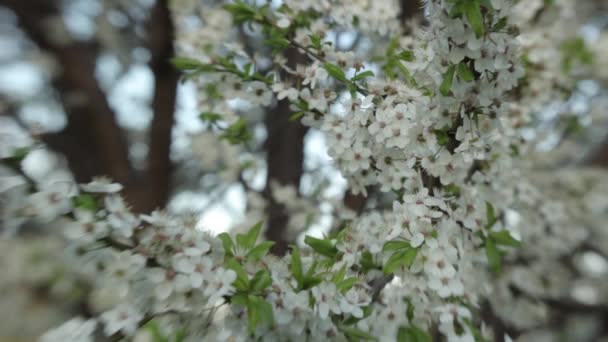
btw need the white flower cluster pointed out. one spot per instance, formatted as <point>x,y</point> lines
<point>433,128</point>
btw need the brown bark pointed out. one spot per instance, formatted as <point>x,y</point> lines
<point>285,161</point>
<point>155,189</point>
<point>599,156</point>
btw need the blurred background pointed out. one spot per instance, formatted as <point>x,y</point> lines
<point>92,80</point>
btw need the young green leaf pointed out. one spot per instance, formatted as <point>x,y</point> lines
<point>355,334</point>
<point>442,137</point>
<point>395,245</point>
<point>346,284</point>
<point>464,72</point>
<point>367,73</point>
<point>504,238</point>
<point>237,132</point>
<point>448,77</point>
<point>323,247</point>
<point>210,117</point>
<point>339,276</point>
<point>260,251</point>
<point>247,240</point>
<point>472,10</point>
<point>260,281</point>
<point>399,259</point>
<point>259,312</point>
<point>406,55</point>
<point>335,72</point>
<point>296,265</point>
<point>295,116</point>
<point>85,201</point>
<point>184,63</point>
<point>493,255</point>
<point>154,328</point>
<point>412,334</point>
<point>367,262</point>
<point>227,243</point>
<point>241,11</point>
<point>242,279</point>
<point>490,215</point>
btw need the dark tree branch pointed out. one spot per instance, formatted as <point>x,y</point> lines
<point>409,10</point>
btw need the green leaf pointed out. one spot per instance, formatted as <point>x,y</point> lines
<point>410,256</point>
<point>237,132</point>
<point>410,310</point>
<point>464,72</point>
<point>504,238</point>
<point>448,77</point>
<point>296,265</point>
<point>355,334</point>
<point>260,251</point>
<point>276,39</point>
<point>323,247</point>
<point>406,55</point>
<point>442,137</point>
<point>392,46</point>
<point>315,41</point>
<point>155,331</point>
<point>180,336</point>
<point>247,240</point>
<point>405,72</point>
<point>339,276</point>
<point>412,334</point>
<point>239,299</point>
<point>310,282</point>
<point>242,279</point>
<point>501,24</point>
<point>210,117</point>
<point>367,262</point>
<point>227,243</point>
<point>241,12</point>
<point>395,245</point>
<point>335,72</point>
<point>346,284</point>
<point>575,50</point>
<point>472,10</point>
<point>20,153</point>
<point>367,73</point>
<point>490,215</point>
<point>185,63</point>
<point>260,281</point>
<point>295,116</point>
<point>493,255</point>
<point>400,258</point>
<point>259,312</point>
<point>85,201</point>
<point>452,190</point>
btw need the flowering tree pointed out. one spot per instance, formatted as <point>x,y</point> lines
<point>458,234</point>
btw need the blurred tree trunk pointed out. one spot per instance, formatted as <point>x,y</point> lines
<point>285,160</point>
<point>92,141</point>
